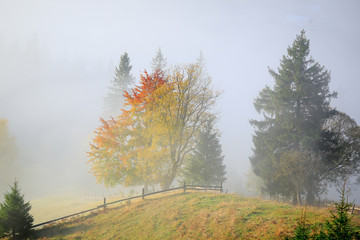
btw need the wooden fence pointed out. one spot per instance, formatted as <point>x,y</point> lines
<point>143,195</point>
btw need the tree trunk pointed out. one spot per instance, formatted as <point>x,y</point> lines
<point>310,198</point>
<point>299,198</point>
<point>165,184</point>
<point>295,199</point>
<point>168,180</point>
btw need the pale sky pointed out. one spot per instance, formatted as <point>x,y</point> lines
<point>57,59</point>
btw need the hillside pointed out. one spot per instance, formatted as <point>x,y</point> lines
<point>186,216</point>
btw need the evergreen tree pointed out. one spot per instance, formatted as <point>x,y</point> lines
<point>340,225</point>
<point>297,130</point>
<point>159,62</point>
<point>206,165</point>
<point>15,218</point>
<point>122,81</point>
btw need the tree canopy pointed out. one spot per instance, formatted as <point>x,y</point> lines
<point>150,141</point>
<point>205,165</point>
<point>158,62</point>
<point>122,81</point>
<point>299,145</point>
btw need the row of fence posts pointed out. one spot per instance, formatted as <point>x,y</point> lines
<point>194,187</point>
<point>143,193</point>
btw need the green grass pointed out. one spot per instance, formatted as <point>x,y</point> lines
<point>187,216</point>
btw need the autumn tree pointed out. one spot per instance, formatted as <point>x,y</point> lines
<point>158,62</point>
<point>122,81</point>
<point>150,141</point>
<point>205,164</point>
<point>8,154</point>
<point>297,148</point>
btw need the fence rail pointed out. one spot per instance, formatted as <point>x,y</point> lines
<point>143,195</point>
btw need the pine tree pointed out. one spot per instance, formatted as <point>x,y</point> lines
<point>8,154</point>
<point>159,62</point>
<point>298,123</point>
<point>15,218</point>
<point>340,225</point>
<point>122,81</point>
<point>206,165</point>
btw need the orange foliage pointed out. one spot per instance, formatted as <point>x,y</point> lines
<point>115,146</point>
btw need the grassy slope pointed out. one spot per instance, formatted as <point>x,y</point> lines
<point>187,216</point>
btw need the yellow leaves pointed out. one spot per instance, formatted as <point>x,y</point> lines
<point>152,136</point>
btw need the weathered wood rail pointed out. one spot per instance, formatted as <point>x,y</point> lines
<point>143,195</point>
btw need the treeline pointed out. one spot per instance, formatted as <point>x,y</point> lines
<point>161,129</point>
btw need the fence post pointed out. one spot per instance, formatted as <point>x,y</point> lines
<point>184,187</point>
<point>143,193</point>
<point>104,203</point>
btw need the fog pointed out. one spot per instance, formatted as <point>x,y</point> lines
<point>57,59</point>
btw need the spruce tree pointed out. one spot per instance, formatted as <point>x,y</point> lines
<point>15,219</point>
<point>159,62</point>
<point>340,225</point>
<point>122,81</point>
<point>298,121</point>
<point>206,165</point>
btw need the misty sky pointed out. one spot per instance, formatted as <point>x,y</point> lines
<point>57,59</point>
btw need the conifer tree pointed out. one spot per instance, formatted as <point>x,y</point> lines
<point>15,219</point>
<point>159,62</point>
<point>122,81</point>
<point>299,130</point>
<point>206,165</point>
<point>340,225</point>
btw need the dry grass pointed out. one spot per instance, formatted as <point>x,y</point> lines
<point>187,216</point>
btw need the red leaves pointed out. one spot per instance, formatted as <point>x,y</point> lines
<point>112,148</point>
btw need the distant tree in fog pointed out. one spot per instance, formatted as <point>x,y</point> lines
<point>201,62</point>
<point>158,62</point>
<point>302,143</point>
<point>206,163</point>
<point>122,81</point>
<point>8,154</point>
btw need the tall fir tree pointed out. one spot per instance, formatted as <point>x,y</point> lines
<point>122,81</point>
<point>206,164</point>
<point>158,62</point>
<point>15,218</point>
<point>296,134</point>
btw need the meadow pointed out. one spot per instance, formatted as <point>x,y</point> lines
<point>187,216</point>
